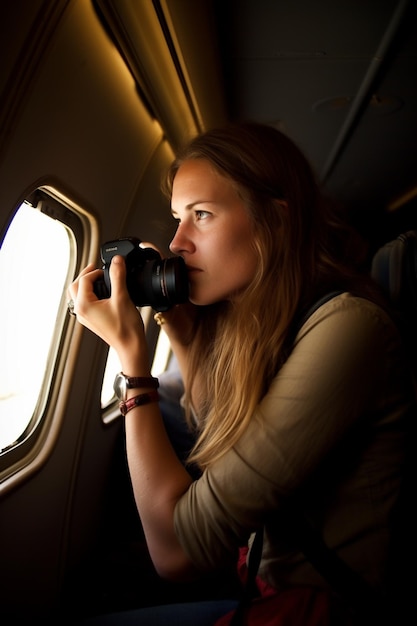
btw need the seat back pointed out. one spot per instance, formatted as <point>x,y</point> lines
<point>394,267</point>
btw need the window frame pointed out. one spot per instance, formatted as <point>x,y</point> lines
<point>25,456</point>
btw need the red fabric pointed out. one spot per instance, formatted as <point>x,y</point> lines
<point>296,606</point>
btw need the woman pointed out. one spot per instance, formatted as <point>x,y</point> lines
<point>290,414</point>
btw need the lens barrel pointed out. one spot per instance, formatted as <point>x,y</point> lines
<point>159,283</point>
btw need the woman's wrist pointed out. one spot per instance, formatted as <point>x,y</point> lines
<point>135,368</point>
<point>134,360</point>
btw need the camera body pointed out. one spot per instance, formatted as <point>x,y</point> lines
<point>151,281</point>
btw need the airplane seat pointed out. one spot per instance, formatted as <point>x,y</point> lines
<point>394,267</point>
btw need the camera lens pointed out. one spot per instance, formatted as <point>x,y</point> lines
<point>161,284</point>
<point>174,280</point>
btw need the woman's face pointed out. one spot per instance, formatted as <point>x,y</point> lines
<point>214,234</point>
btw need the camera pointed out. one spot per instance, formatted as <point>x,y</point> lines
<point>151,281</point>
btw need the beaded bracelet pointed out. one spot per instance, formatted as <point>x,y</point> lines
<point>140,400</point>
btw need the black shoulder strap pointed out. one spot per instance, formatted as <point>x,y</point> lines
<point>318,304</point>
<point>300,320</point>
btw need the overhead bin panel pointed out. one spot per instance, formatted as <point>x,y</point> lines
<point>155,38</point>
<point>75,121</point>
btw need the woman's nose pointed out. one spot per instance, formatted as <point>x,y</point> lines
<point>181,242</point>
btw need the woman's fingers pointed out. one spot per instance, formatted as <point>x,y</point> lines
<point>83,285</point>
<point>117,274</point>
<point>116,319</point>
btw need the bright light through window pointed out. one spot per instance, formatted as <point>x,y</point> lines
<point>34,262</point>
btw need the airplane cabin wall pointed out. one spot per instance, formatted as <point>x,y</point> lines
<point>73,121</point>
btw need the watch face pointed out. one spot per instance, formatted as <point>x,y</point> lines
<point>120,386</point>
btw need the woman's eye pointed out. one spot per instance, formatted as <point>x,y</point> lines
<point>202,215</point>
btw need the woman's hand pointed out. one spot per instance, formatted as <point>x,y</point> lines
<point>116,320</point>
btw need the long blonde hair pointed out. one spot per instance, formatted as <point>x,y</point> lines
<point>238,347</point>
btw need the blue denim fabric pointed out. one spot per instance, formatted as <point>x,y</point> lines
<point>187,614</point>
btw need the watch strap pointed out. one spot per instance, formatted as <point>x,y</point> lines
<point>141,381</point>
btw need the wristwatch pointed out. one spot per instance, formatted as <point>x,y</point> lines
<point>122,383</point>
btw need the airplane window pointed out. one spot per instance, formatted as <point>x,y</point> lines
<point>34,266</point>
<point>112,367</point>
<point>162,355</point>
